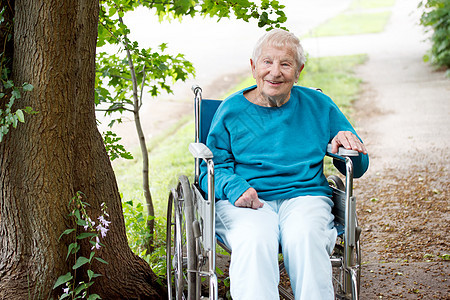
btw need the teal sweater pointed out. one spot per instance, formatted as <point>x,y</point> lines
<point>278,151</point>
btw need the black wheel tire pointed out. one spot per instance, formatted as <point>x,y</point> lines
<point>169,243</point>
<point>180,215</point>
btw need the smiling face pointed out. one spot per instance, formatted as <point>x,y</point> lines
<point>275,71</point>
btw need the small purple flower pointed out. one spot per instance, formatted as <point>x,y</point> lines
<point>97,243</point>
<point>88,221</point>
<point>104,221</point>
<point>102,230</point>
<point>103,206</point>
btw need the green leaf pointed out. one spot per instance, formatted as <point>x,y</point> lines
<point>163,46</point>
<point>80,262</point>
<point>64,296</point>
<point>73,248</point>
<point>81,287</point>
<point>84,235</point>
<point>27,87</point>
<point>67,231</point>
<point>77,213</point>
<point>81,222</point>
<point>63,279</point>
<point>90,274</point>
<point>16,93</point>
<point>9,84</point>
<point>29,110</point>
<point>14,121</point>
<point>101,260</point>
<point>94,297</point>
<point>20,117</point>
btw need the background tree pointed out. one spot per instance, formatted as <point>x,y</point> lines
<point>121,77</point>
<point>59,152</point>
<point>436,15</point>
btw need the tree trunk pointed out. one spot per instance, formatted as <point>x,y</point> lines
<point>57,152</point>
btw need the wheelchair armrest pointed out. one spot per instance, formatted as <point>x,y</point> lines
<point>341,152</point>
<point>199,150</point>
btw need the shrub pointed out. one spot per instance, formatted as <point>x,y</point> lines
<point>437,16</point>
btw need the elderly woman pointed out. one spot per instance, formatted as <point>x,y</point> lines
<point>269,142</point>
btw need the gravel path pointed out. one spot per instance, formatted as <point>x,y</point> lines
<point>403,115</point>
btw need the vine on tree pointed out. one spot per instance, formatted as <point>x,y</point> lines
<point>9,91</point>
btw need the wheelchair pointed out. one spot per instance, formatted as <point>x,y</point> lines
<point>191,240</point>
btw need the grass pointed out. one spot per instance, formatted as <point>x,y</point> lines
<point>335,76</point>
<point>169,155</point>
<point>352,24</point>
<point>371,4</point>
<point>358,19</point>
<point>169,158</point>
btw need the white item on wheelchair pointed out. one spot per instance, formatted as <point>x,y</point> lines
<point>199,150</point>
<point>342,151</point>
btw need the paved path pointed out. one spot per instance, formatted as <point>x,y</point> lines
<point>410,102</point>
<point>403,116</point>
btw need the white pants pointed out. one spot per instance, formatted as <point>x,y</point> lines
<point>303,227</point>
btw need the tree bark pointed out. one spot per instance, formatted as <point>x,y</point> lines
<point>57,152</point>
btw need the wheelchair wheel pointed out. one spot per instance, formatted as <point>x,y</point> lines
<point>336,182</point>
<point>356,280</point>
<point>351,275</point>
<point>180,243</point>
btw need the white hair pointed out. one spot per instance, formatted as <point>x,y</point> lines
<point>280,38</point>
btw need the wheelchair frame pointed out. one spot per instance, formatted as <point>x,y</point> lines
<point>191,239</point>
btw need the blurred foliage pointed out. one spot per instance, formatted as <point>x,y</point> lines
<point>135,216</point>
<point>436,17</point>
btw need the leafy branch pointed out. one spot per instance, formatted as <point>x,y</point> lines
<point>436,15</point>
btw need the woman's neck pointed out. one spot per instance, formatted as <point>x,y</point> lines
<point>255,97</point>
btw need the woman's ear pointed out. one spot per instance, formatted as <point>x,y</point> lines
<point>253,66</point>
<point>298,73</point>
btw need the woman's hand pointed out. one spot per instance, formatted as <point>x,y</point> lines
<point>349,141</point>
<point>249,199</point>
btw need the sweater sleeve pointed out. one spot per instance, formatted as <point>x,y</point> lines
<point>228,185</point>
<point>360,165</point>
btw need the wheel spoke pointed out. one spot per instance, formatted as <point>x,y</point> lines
<point>183,257</point>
